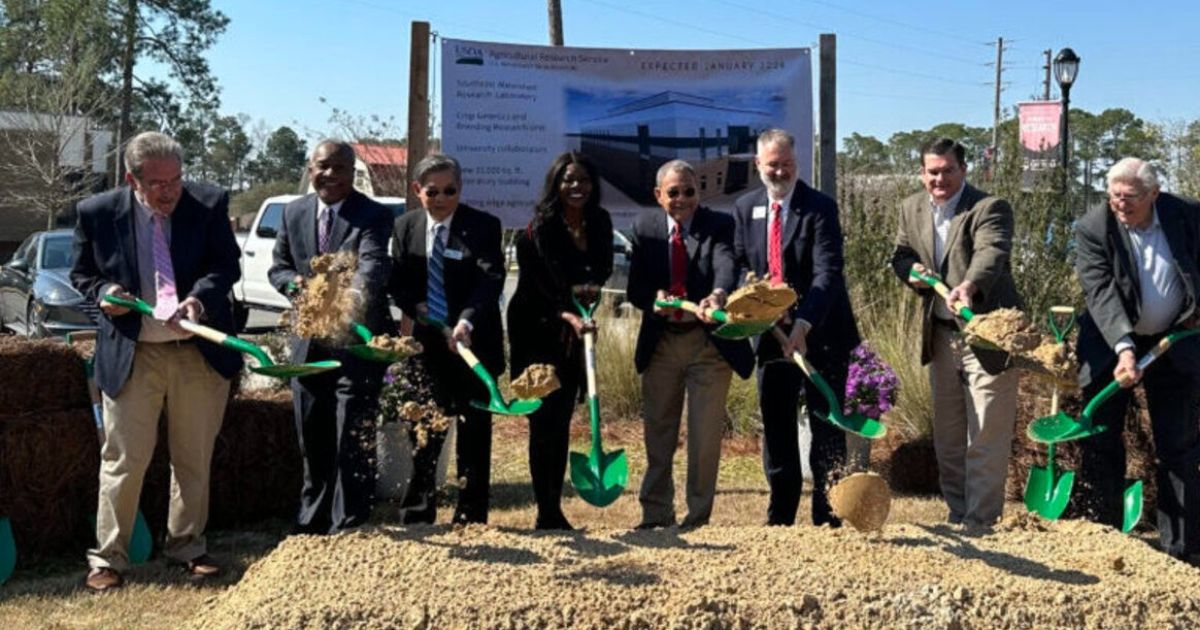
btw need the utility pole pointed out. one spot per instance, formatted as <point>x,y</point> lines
<point>1046,81</point>
<point>996,107</point>
<point>418,97</point>
<point>828,123</point>
<point>556,34</point>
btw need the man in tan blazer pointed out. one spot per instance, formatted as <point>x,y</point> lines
<point>965,236</point>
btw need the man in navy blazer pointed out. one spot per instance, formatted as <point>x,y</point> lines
<point>682,250</point>
<point>472,266</point>
<point>169,243</point>
<point>807,255</point>
<point>335,411</point>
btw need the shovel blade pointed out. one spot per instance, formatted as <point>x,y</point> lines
<point>1046,496</point>
<point>1132,506</point>
<point>743,329</point>
<point>515,408</point>
<point>8,550</point>
<point>142,543</point>
<point>1055,428</point>
<point>603,486</point>
<point>297,370</point>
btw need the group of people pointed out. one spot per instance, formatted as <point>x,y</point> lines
<point>169,242</point>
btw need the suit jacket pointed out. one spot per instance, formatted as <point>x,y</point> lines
<point>550,266</point>
<point>812,266</point>
<point>978,246</point>
<point>473,274</point>
<point>710,266</point>
<point>1108,273</point>
<point>204,256</point>
<point>361,226</point>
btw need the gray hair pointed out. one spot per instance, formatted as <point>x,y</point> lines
<point>1133,170</point>
<point>674,166</point>
<point>150,145</point>
<point>437,163</point>
<point>776,136</point>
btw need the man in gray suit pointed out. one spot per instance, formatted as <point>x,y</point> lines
<point>1139,266</point>
<point>965,236</point>
<point>335,411</point>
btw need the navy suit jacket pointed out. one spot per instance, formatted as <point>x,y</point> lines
<point>473,274</point>
<point>362,226</point>
<point>204,255</point>
<point>812,265</point>
<point>710,266</point>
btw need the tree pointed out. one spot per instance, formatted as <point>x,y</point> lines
<point>228,148</point>
<point>282,159</point>
<point>864,154</point>
<point>1182,155</point>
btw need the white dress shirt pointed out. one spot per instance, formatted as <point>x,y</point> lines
<point>1161,291</point>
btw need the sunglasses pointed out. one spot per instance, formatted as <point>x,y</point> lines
<point>686,192</point>
<point>449,191</point>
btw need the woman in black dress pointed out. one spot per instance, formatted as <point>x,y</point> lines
<point>568,243</point>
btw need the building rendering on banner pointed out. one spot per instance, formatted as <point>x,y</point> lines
<point>632,140</point>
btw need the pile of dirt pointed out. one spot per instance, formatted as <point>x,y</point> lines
<point>327,301</point>
<point>537,381</point>
<point>862,500</point>
<point>401,347</point>
<point>1006,328</point>
<point>759,300</point>
<point>1071,574</point>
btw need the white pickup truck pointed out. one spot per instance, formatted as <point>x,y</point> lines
<point>254,290</point>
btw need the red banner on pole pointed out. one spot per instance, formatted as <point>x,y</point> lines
<point>1040,129</point>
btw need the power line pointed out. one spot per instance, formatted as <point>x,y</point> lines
<point>437,20</point>
<point>677,23</point>
<point>911,97</point>
<point>910,73</point>
<point>904,24</point>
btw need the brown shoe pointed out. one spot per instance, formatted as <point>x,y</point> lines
<point>103,579</point>
<point>201,567</point>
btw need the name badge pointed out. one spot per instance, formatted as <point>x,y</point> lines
<point>758,212</point>
<point>453,254</point>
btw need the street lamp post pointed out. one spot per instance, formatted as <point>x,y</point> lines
<point>1066,66</point>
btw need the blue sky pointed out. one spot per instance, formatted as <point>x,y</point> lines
<point>901,65</point>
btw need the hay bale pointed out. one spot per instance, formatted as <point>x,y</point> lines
<point>37,376</point>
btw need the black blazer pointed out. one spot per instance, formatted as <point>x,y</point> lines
<point>812,266</point>
<point>473,274</point>
<point>1107,270</point>
<point>550,266</point>
<point>361,226</point>
<point>710,266</point>
<point>204,255</point>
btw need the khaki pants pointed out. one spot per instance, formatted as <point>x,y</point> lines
<point>195,397</point>
<point>973,417</point>
<point>684,362</point>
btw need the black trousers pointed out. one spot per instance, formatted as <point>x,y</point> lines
<point>1172,385</point>
<point>454,386</point>
<point>549,438</point>
<point>335,419</point>
<point>779,385</point>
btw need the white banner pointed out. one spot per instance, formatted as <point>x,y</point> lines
<point>508,110</point>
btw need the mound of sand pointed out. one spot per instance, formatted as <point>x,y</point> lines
<point>1024,574</point>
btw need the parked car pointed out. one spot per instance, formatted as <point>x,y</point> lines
<point>36,296</point>
<point>254,289</point>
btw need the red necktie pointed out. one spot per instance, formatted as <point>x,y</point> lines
<point>679,264</point>
<point>775,245</point>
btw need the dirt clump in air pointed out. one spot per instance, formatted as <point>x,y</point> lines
<point>863,500</point>
<point>399,347</point>
<point>537,381</point>
<point>327,303</point>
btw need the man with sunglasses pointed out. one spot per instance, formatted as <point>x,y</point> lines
<point>335,411</point>
<point>789,233</point>
<point>448,271</point>
<point>1139,265</point>
<point>683,251</point>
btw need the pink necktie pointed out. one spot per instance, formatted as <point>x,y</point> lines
<point>166,300</point>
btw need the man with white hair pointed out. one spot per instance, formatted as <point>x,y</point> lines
<point>1139,266</point>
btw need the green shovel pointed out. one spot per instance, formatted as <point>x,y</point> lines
<point>1132,506</point>
<point>141,544</point>
<point>942,290</point>
<point>856,423</point>
<point>598,477</point>
<point>737,329</point>
<point>495,403</point>
<point>368,352</point>
<point>1044,494</point>
<point>265,366</point>
<point>8,550</point>
<point>1061,427</point>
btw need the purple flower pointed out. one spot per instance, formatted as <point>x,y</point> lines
<point>871,384</point>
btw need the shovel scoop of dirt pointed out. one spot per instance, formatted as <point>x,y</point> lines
<point>327,302</point>
<point>402,346</point>
<point>537,381</point>
<point>759,300</point>
<point>863,500</point>
<point>1005,328</point>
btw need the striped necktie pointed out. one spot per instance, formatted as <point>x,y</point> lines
<point>166,300</point>
<point>435,298</point>
<point>324,230</point>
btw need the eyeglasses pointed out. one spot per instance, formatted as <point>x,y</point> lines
<point>161,184</point>
<point>449,191</point>
<point>686,192</point>
<point>1125,198</point>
